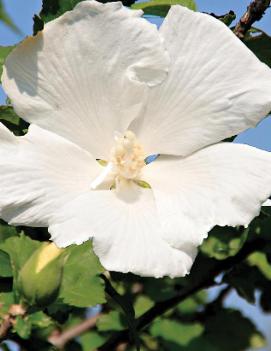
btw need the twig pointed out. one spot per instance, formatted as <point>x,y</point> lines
<point>227,18</point>
<point>207,281</point>
<point>255,12</point>
<point>60,340</point>
<point>10,319</point>
<point>6,324</point>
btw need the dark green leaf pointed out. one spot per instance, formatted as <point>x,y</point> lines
<point>224,242</point>
<point>260,43</point>
<point>52,9</point>
<point>38,24</point>
<point>81,284</point>
<point>228,18</point>
<point>7,114</point>
<point>161,7</point>
<point>229,330</point>
<point>244,279</point>
<point>12,121</point>
<point>265,300</point>
<point>73,346</point>
<point>5,266</point>
<point>5,347</point>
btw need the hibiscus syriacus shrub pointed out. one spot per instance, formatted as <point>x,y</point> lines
<point>123,199</point>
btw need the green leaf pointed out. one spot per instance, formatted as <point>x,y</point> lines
<point>5,266</point>
<point>111,321</point>
<point>8,114</point>
<point>224,242</point>
<point>260,43</point>
<point>22,327</point>
<point>228,18</point>
<point>4,51</point>
<point>6,299</point>
<point>40,320</point>
<point>259,260</point>
<point>6,231</point>
<point>161,7</point>
<point>81,285</point>
<point>12,121</point>
<point>193,303</point>
<point>176,332</point>
<point>42,325</point>
<point>91,340</point>
<point>257,341</point>
<point>4,17</point>
<point>52,9</point>
<point>142,304</point>
<point>19,249</point>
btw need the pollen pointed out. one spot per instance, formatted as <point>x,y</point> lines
<point>127,156</point>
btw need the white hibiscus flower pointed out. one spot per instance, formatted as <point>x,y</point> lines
<point>102,83</point>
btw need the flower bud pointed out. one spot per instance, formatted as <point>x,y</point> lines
<point>40,278</point>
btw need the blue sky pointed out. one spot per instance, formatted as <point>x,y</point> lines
<point>22,11</point>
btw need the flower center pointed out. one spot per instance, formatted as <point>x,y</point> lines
<point>127,156</point>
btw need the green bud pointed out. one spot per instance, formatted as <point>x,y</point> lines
<point>40,278</point>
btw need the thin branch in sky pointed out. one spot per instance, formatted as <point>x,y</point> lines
<point>255,12</point>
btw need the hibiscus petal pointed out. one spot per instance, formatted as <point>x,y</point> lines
<point>223,184</point>
<point>216,87</point>
<point>40,172</point>
<point>85,75</point>
<point>126,231</point>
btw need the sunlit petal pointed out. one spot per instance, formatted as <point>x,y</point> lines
<point>224,184</point>
<point>216,87</point>
<point>86,74</point>
<point>126,231</point>
<point>40,172</point>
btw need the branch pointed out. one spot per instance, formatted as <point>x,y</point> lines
<point>196,284</point>
<point>10,319</point>
<point>6,324</point>
<point>255,12</point>
<point>60,340</point>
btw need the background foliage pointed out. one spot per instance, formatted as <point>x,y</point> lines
<point>73,304</point>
